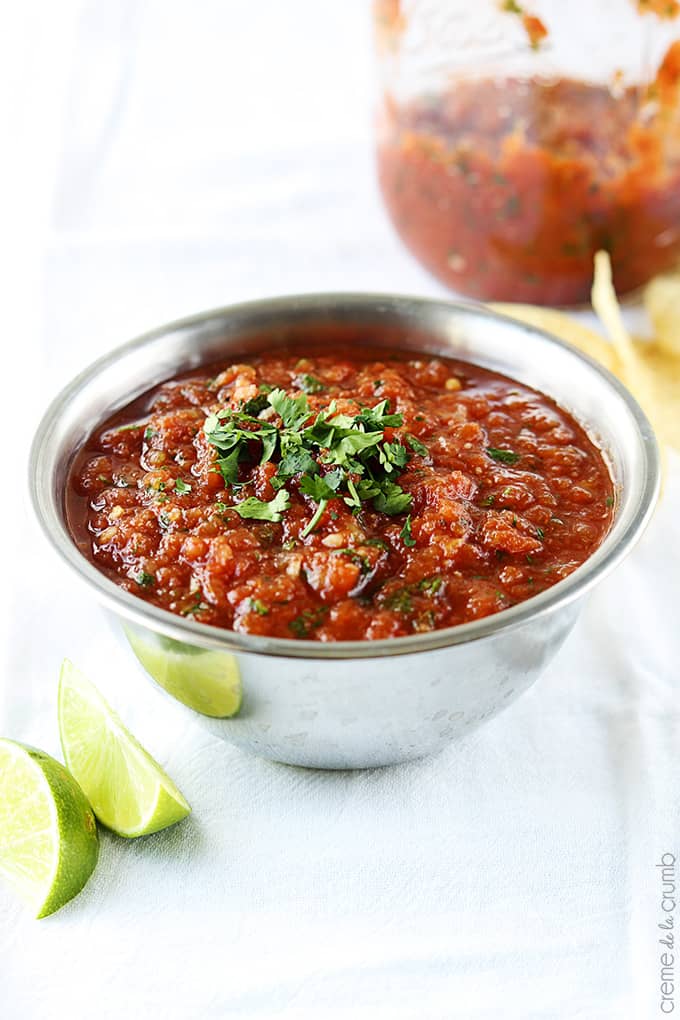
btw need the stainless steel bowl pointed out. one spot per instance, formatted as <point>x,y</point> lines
<point>352,704</point>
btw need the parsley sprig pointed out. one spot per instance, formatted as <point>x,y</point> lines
<point>334,455</point>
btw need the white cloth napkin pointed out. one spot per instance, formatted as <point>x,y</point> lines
<point>170,158</point>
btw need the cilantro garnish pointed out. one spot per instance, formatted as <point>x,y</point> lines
<point>308,621</point>
<point>405,533</point>
<point>379,543</point>
<point>319,487</point>
<point>257,510</point>
<point>399,601</point>
<point>363,464</point>
<point>321,490</point>
<point>255,405</point>
<point>393,455</point>
<point>392,499</point>
<point>228,466</point>
<point>256,606</point>
<point>430,585</point>
<point>295,462</point>
<point>292,410</point>
<point>144,579</point>
<point>416,445</point>
<point>504,456</point>
<point>309,384</point>
<point>182,487</point>
<point>378,417</point>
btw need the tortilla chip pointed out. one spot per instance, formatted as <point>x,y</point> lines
<point>564,327</point>
<point>662,300</point>
<point>650,370</point>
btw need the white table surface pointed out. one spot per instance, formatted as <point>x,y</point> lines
<point>164,157</point>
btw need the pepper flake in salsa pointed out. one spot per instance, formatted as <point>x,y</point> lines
<point>354,496</point>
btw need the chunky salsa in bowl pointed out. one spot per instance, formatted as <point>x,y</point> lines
<point>339,495</point>
<point>349,528</point>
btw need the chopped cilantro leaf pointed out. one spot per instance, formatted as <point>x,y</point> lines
<point>416,445</point>
<point>392,499</point>
<point>308,621</point>
<point>256,606</point>
<point>378,417</point>
<point>399,601</point>
<point>293,411</point>
<point>269,439</point>
<point>393,455</point>
<point>319,487</point>
<point>405,533</point>
<point>318,514</point>
<point>362,562</point>
<point>182,487</point>
<point>144,579</point>
<point>255,405</point>
<point>504,456</point>
<point>228,466</point>
<point>257,510</point>
<point>297,461</point>
<point>309,384</point>
<point>321,490</point>
<point>430,585</point>
<point>352,443</point>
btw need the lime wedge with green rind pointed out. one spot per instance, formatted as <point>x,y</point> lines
<point>129,791</point>
<point>207,681</point>
<point>48,834</point>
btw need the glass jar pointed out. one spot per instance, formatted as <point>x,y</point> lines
<point>514,141</point>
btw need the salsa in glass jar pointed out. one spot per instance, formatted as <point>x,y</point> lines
<point>506,178</point>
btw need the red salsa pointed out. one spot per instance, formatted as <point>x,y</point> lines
<point>359,495</point>
<point>505,189</point>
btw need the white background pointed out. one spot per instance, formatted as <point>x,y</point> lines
<point>164,157</point>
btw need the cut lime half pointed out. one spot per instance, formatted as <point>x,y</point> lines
<point>129,791</point>
<point>207,681</point>
<point>48,835</point>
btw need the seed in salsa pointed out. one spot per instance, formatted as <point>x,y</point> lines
<point>505,189</point>
<point>360,495</point>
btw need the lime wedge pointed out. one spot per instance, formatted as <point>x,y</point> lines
<point>129,792</point>
<point>48,835</point>
<point>209,682</point>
